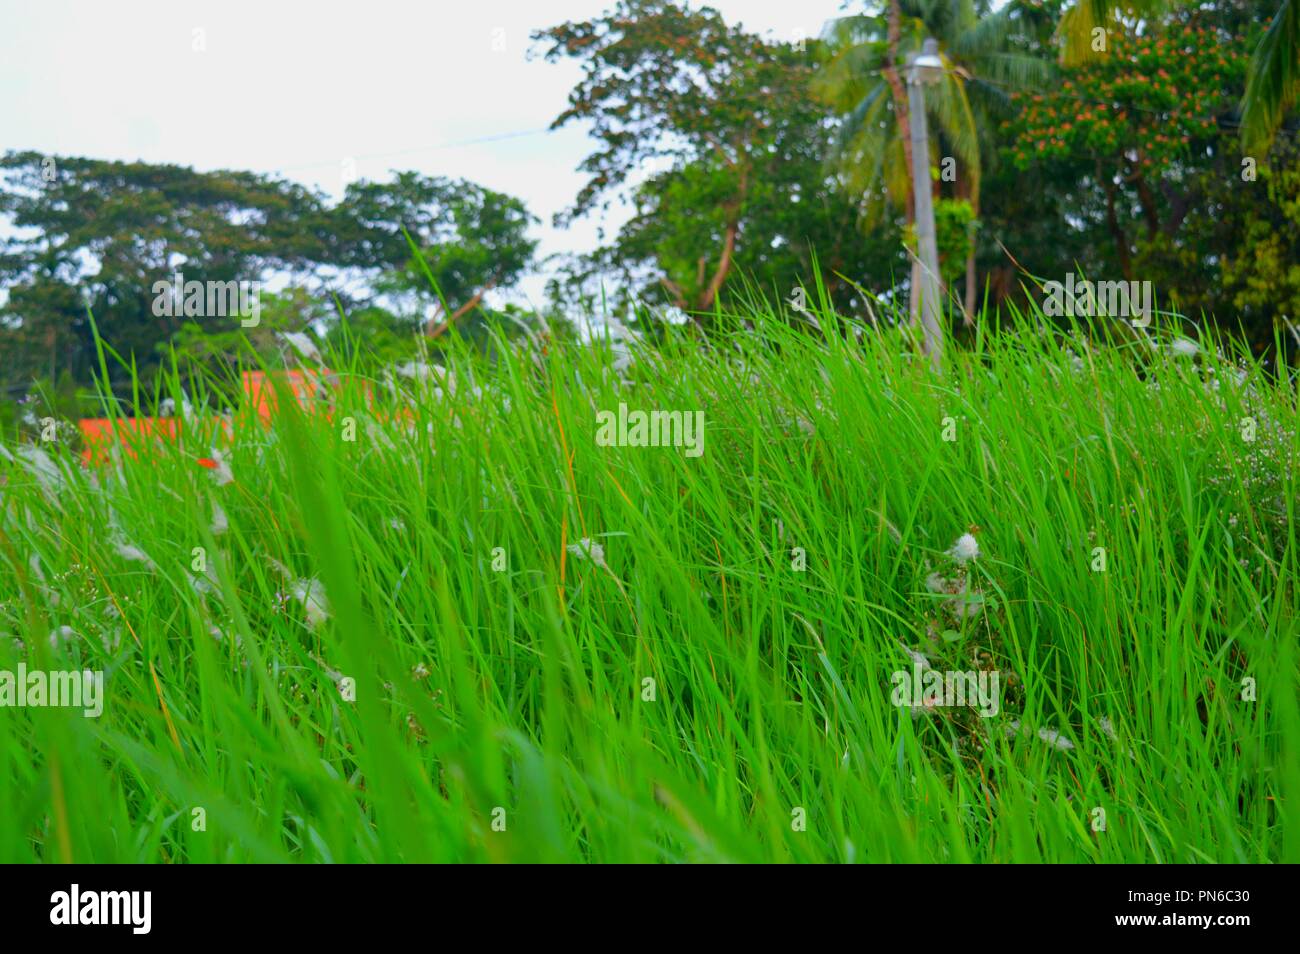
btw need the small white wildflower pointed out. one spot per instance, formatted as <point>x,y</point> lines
<point>39,464</point>
<point>64,634</point>
<point>335,676</point>
<point>302,344</point>
<point>417,370</point>
<point>916,657</point>
<point>220,523</point>
<point>221,473</point>
<point>966,606</point>
<point>438,380</point>
<point>220,636</point>
<point>936,584</point>
<point>589,549</point>
<point>398,524</point>
<point>1106,726</point>
<point>420,371</point>
<point>1184,347</point>
<point>1055,739</point>
<point>167,407</point>
<point>311,594</point>
<point>966,548</point>
<point>623,357</point>
<point>129,552</point>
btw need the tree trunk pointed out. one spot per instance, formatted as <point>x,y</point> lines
<point>899,95</point>
<point>903,115</point>
<point>1117,233</point>
<point>724,266</point>
<point>914,294</point>
<point>734,212</point>
<point>969,318</point>
<point>969,304</point>
<point>433,331</point>
<point>1149,209</point>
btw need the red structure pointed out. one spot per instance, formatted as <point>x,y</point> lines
<point>310,388</point>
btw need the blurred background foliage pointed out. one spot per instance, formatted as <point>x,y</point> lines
<point>1144,141</point>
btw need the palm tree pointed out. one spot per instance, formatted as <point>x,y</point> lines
<point>862,81</point>
<point>1273,77</point>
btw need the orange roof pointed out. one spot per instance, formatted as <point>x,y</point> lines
<point>259,386</point>
<point>99,432</point>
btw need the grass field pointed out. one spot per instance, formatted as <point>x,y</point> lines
<point>473,633</point>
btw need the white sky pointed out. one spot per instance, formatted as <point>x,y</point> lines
<point>297,87</point>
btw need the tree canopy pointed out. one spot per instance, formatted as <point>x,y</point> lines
<point>1149,141</point>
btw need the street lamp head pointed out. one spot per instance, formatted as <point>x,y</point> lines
<point>926,67</point>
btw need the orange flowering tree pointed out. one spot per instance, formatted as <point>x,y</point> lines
<point>1134,118</point>
<point>1142,105</point>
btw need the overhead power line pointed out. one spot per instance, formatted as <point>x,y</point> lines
<point>498,137</point>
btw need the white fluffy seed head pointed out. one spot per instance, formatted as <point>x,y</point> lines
<point>966,548</point>
<point>587,549</point>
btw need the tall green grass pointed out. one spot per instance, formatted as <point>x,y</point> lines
<point>517,698</point>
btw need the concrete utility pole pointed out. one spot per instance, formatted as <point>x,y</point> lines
<point>925,70</point>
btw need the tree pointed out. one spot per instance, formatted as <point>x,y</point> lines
<point>862,82</point>
<point>1133,120</point>
<point>95,236</point>
<point>1135,164</point>
<point>665,85</point>
<point>470,239</point>
<point>794,226</point>
<point>1273,76</point>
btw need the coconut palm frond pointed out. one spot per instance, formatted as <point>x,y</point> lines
<point>870,148</point>
<point>1015,69</point>
<point>956,120</point>
<point>983,35</point>
<point>898,180</point>
<point>863,114</point>
<point>848,76</point>
<point>854,30</point>
<point>1273,81</point>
